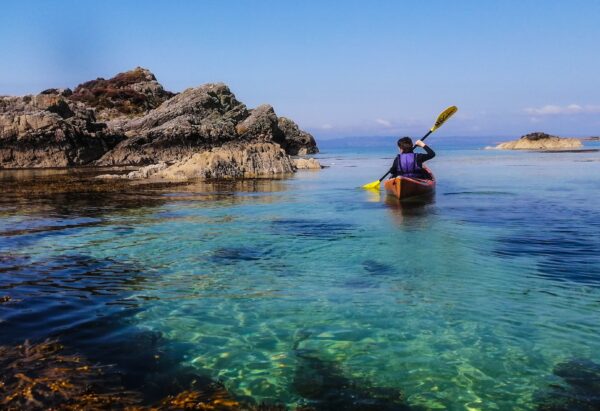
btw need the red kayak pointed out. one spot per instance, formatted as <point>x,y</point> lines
<point>404,188</point>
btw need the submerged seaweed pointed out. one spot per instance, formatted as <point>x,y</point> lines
<point>41,376</point>
<point>376,268</point>
<point>577,389</point>
<point>326,388</point>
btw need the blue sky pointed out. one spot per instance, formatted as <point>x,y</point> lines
<point>338,69</point>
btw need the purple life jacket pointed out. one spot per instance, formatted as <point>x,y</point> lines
<point>408,167</point>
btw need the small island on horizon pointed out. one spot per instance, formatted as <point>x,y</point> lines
<point>542,141</point>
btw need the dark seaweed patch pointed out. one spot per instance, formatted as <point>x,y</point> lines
<point>317,229</point>
<point>231,255</point>
<point>360,283</point>
<point>325,388</point>
<point>577,387</point>
<point>376,268</point>
<point>563,255</point>
<point>52,296</point>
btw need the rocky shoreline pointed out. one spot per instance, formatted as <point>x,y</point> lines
<point>131,120</point>
<point>541,141</point>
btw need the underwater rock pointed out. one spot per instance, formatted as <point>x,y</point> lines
<point>540,141</point>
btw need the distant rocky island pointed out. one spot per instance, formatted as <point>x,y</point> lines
<point>131,120</point>
<point>541,141</point>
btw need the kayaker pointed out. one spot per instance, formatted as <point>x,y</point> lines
<point>409,163</point>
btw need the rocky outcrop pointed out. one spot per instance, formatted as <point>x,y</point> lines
<point>295,141</point>
<point>540,141</point>
<point>204,127</point>
<point>196,119</point>
<point>49,130</point>
<point>200,119</point>
<point>128,94</point>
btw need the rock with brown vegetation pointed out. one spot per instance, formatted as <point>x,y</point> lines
<point>146,125</point>
<point>541,141</point>
<point>49,130</point>
<point>128,94</point>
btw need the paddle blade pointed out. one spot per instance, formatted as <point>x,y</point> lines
<point>371,186</point>
<point>446,114</point>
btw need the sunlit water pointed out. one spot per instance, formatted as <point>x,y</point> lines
<point>469,301</point>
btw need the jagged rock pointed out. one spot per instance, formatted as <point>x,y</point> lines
<point>232,161</point>
<point>540,141</point>
<point>147,125</point>
<point>47,130</point>
<point>129,94</point>
<point>197,119</point>
<point>260,125</point>
<point>306,164</point>
<point>295,141</point>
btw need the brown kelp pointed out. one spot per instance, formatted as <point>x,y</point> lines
<point>41,377</point>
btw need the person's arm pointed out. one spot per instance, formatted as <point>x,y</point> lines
<point>429,153</point>
<point>394,169</point>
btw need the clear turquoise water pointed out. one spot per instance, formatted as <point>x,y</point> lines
<point>466,302</point>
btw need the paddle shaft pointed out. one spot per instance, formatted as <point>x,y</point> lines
<point>422,138</point>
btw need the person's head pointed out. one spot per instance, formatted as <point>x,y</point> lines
<point>405,145</point>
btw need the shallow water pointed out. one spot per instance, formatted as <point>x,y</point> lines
<point>468,301</point>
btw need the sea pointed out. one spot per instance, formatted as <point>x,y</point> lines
<point>311,291</point>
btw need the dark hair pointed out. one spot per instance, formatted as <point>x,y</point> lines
<point>405,144</point>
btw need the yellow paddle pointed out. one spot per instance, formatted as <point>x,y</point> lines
<point>445,115</point>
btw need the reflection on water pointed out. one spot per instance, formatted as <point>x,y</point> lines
<point>310,292</point>
<point>412,213</point>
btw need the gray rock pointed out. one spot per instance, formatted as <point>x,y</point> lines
<point>295,141</point>
<point>48,130</point>
<point>197,119</point>
<point>144,125</point>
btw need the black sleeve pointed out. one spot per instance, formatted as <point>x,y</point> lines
<point>394,168</point>
<point>429,154</point>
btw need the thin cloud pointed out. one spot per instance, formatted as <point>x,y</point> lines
<point>552,110</point>
<point>383,122</point>
<point>326,126</point>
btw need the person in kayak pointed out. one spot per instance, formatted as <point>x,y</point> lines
<point>408,163</point>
